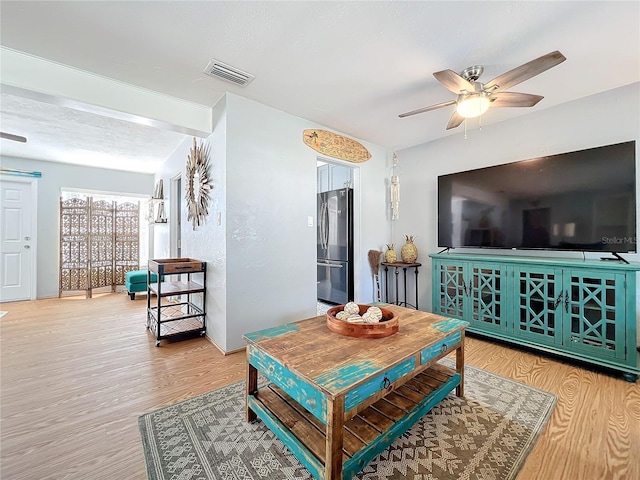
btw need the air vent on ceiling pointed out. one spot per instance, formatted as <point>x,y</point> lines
<point>228,73</point>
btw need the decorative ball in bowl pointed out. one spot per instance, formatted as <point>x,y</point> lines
<point>386,324</point>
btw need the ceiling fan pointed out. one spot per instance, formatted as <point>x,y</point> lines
<point>475,98</point>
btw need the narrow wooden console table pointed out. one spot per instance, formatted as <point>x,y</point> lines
<point>335,401</point>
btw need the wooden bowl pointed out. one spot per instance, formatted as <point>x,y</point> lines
<point>387,326</point>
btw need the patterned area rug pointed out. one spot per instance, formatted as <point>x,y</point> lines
<point>486,435</point>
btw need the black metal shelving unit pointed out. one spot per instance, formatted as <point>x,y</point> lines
<point>181,316</point>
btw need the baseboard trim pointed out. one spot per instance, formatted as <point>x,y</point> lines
<point>221,350</point>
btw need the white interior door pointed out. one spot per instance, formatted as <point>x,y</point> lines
<point>18,242</point>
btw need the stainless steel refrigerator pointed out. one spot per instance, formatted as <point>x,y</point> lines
<point>335,246</point>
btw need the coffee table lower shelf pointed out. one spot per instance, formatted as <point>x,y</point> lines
<point>366,434</point>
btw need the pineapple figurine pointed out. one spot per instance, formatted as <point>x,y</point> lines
<point>390,255</point>
<point>409,251</point>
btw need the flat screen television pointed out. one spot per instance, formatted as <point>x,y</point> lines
<point>583,200</point>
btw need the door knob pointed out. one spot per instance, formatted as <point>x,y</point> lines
<point>26,239</point>
<point>27,246</point>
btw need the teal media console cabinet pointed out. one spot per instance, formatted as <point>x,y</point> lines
<point>583,310</point>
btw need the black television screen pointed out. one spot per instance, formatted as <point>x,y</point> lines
<point>583,200</point>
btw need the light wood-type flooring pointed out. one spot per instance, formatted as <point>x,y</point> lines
<point>77,373</point>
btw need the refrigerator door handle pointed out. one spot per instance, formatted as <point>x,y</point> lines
<point>330,265</point>
<point>321,225</point>
<point>324,233</point>
<point>326,225</point>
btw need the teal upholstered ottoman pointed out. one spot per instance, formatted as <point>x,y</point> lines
<point>136,281</point>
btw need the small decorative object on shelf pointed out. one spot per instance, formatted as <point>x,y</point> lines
<point>159,191</point>
<point>156,205</point>
<point>160,218</point>
<point>390,256</point>
<point>409,251</point>
<point>155,212</point>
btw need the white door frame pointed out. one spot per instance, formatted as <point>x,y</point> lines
<point>175,225</point>
<point>33,289</point>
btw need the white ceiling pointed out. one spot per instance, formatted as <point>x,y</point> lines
<point>350,66</point>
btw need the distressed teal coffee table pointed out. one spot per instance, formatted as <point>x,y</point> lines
<point>337,401</point>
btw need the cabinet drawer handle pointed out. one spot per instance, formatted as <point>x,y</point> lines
<point>386,383</point>
<point>443,348</point>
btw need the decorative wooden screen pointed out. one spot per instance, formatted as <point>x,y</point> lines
<point>127,240</point>
<point>99,243</point>
<point>74,245</point>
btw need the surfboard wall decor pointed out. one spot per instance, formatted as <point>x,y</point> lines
<point>336,146</point>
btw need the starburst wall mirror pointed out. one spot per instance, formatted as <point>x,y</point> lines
<point>198,185</point>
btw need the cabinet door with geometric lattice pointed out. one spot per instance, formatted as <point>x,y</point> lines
<point>448,288</point>
<point>486,294</point>
<point>538,302</point>
<point>594,313</point>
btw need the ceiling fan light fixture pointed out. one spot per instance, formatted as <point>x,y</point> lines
<point>472,106</point>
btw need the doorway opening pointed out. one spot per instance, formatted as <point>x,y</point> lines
<point>335,240</point>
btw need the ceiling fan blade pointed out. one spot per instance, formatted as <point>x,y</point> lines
<point>11,136</point>
<point>453,81</point>
<point>455,120</point>
<point>426,109</point>
<point>525,72</point>
<point>513,99</point>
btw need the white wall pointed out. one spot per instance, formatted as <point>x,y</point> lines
<point>262,258</point>
<point>603,119</point>
<point>208,242</point>
<point>56,176</point>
